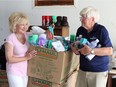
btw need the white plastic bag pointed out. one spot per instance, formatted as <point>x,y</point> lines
<point>58,46</point>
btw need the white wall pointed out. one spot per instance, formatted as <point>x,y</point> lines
<point>106,8</point>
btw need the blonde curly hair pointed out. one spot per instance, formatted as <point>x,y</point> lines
<point>17,18</point>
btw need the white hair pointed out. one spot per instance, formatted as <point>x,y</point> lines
<point>90,12</point>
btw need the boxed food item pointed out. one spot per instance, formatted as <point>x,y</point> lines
<point>70,81</point>
<point>51,65</point>
<point>36,82</point>
<point>3,79</point>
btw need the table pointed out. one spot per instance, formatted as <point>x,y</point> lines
<point>110,74</point>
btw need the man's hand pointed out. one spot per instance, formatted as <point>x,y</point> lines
<point>85,50</point>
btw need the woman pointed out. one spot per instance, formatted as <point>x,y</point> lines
<point>16,50</point>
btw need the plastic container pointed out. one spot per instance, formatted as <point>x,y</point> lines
<point>93,44</point>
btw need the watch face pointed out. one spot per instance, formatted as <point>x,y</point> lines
<point>92,51</point>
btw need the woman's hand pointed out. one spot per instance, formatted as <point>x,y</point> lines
<point>30,54</point>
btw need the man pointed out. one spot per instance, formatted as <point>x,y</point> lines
<point>94,72</point>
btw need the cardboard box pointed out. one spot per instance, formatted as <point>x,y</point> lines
<point>3,79</point>
<point>69,82</point>
<point>35,82</point>
<point>51,65</point>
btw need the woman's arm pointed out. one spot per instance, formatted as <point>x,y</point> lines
<point>12,59</point>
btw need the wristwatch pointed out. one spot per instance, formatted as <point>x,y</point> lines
<point>92,51</point>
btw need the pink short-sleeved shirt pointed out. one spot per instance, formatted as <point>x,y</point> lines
<point>19,50</point>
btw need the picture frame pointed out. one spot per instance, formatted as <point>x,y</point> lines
<point>53,2</point>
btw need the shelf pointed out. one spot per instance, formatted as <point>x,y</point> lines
<point>59,31</point>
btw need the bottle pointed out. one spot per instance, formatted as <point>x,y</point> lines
<point>79,38</point>
<point>58,22</point>
<point>64,21</point>
<point>42,40</point>
<point>43,21</point>
<point>93,44</point>
<point>72,38</point>
<point>79,42</point>
<point>33,39</point>
<point>82,41</point>
<point>47,20</point>
<point>54,19</point>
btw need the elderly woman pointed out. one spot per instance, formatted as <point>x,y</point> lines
<point>16,50</point>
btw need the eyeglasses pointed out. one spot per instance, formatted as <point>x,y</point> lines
<point>83,18</point>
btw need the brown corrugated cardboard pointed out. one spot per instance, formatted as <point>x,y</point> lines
<point>69,82</point>
<point>51,65</point>
<point>3,79</point>
<point>35,82</point>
